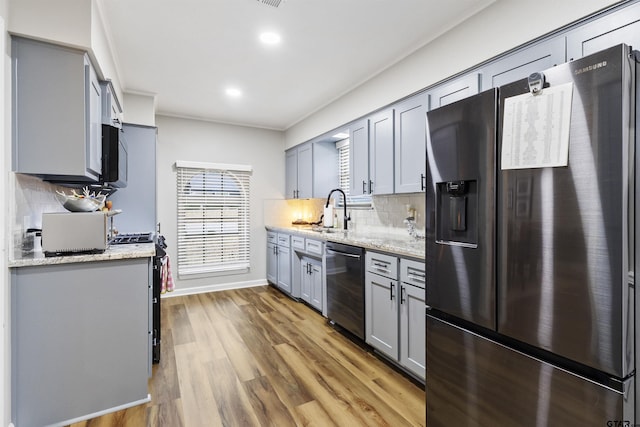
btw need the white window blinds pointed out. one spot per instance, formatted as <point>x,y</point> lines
<point>343,164</point>
<point>213,218</point>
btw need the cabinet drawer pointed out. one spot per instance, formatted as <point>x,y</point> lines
<point>272,237</point>
<point>283,240</point>
<point>313,247</point>
<point>412,272</point>
<point>385,265</point>
<point>297,242</point>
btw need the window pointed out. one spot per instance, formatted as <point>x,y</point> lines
<point>343,164</point>
<point>213,218</point>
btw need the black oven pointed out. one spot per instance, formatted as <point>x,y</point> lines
<point>114,157</point>
<point>134,238</point>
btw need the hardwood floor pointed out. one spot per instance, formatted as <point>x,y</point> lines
<point>254,357</point>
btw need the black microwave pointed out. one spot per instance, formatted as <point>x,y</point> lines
<point>114,157</point>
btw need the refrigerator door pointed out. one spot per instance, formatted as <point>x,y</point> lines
<point>460,202</point>
<point>474,381</point>
<point>563,245</point>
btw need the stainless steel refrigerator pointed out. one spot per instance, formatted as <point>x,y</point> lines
<point>531,306</point>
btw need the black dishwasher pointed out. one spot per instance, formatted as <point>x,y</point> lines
<point>345,287</point>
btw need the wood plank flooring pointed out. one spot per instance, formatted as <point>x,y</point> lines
<point>254,357</point>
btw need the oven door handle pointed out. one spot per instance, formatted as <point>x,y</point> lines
<point>332,251</point>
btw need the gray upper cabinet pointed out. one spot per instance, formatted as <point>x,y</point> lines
<point>311,170</point>
<point>359,158</point>
<point>454,90</point>
<point>326,176</point>
<point>111,109</point>
<point>381,153</point>
<point>57,112</point>
<point>299,172</point>
<point>410,144</point>
<point>524,62</point>
<point>621,26</point>
<point>138,200</point>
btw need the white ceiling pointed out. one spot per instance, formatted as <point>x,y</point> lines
<point>187,52</point>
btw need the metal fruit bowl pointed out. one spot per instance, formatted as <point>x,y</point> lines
<point>85,202</point>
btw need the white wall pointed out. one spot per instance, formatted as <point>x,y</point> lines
<point>502,26</point>
<point>139,109</point>
<point>74,23</point>
<point>193,140</point>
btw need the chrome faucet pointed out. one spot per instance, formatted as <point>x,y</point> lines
<point>346,217</point>
<point>411,228</point>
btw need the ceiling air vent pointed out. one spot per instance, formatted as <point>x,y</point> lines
<point>274,3</point>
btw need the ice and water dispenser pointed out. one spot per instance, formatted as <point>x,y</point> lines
<point>457,212</point>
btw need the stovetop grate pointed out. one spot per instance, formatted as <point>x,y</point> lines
<point>123,239</point>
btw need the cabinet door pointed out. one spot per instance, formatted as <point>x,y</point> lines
<point>284,269</point>
<point>381,153</point>
<point>524,62</point>
<point>316,285</point>
<point>305,289</point>
<point>305,171</point>
<point>51,121</point>
<point>411,144</point>
<point>272,263</point>
<point>412,329</point>
<point>94,113</point>
<point>139,201</point>
<point>456,90</point>
<point>622,26</point>
<point>382,314</point>
<point>359,158</point>
<point>291,174</point>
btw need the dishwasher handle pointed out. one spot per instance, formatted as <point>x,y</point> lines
<point>334,252</point>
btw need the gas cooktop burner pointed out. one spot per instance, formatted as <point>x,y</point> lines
<point>122,239</point>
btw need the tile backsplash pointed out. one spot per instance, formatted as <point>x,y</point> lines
<point>32,197</point>
<point>386,215</point>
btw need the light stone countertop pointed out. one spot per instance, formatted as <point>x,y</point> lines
<point>114,252</point>
<point>391,243</point>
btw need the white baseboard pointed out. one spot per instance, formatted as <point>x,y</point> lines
<point>214,288</point>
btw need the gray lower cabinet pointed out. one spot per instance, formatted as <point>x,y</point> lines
<point>410,144</point>
<point>284,268</point>
<point>272,263</point>
<point>311,282</point>
<point>57,112</point>
<point>412,317</point>
<point>395,310</point>
<point>279,260</point>
<point>381,153</point>
<point>80,339</point>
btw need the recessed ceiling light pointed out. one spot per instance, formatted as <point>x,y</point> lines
<point>233,92</point>
<point>269,37</point>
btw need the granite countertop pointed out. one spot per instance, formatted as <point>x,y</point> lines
<point>141,250</point>
<point>391,243</point>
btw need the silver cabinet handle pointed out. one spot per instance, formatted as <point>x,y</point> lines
<point>403,292</point>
